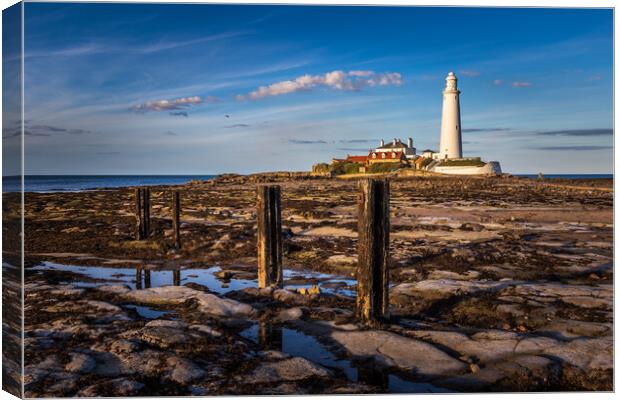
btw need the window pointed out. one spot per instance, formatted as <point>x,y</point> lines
<point>382,155</point>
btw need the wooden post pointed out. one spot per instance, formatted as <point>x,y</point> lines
<point>176,219</point>
<point>138,278</point>
<point>176,277</point>
<point>139,214</point>
<point>146,208</point>
<point>373,251</point>
<point>269,241</point>
<point>143,212</point>
<point>147,278</point>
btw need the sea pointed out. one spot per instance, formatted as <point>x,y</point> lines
<point>76,183</point>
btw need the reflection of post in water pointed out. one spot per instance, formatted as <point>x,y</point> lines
<point>147,278</point>
<point>370,374</point>
<point>176,277</point>
<point>269,336</point>
<point>138,278</point>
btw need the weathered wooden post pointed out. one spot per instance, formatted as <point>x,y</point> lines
<point>269,241</point>
<point>176,277</point>
<point>147,278</point>
<point>146,208</point>
<point>138,278</point>
<point>139,214</point>
<point>143,212</point>
<point>176,219</point>
<point>373,250</point>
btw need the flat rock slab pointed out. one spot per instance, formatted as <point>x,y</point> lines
<point>87,307</point>
<point>114,289</point>
<point>67,290</point>
<point>394,350</point>
<point>587,354</point>
<point>435,289</point>
<point>560,290</point>
<point>569,329</point>
<point>183,370</point>
<point>487,346</point>
<point>164,337</point>
<point>291,369</point>
<point>178,295</point>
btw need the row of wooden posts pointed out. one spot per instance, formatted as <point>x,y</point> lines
<point>373,241</point>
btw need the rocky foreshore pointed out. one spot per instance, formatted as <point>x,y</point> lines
<point>498,284</point>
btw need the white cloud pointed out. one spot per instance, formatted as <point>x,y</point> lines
<point>339,80</point>
<point>497,82</point>
<point>173,104</point>
<point>469,72</point>
<point>521,84</point>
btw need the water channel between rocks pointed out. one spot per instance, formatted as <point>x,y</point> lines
<point>273,336</point>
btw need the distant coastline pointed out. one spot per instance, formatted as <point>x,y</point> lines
<point>75,183</point>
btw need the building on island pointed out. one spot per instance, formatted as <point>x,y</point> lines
<point>448,160</point>
<point>396,146</point>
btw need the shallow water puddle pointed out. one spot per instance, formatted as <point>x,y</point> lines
<point>149,312</point>
<point>296,343</point>
<point>138,278</point>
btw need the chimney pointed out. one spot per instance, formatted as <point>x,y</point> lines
<point>410,143</point>
<point>394,142</point>
<point>382,143</point>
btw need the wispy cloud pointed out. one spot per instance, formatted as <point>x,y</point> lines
<point>578,132</point>
<point>572,148</point>
<point>171,133</point>
<point>56,129</point>
<point>238,126</point>
<point>93,48</point>
<point>179,113</point>
<point>586,132</point>
<point>41,130</point>
<point>172,104</point>
<point>301,141</point>
<point>469,72</point>
<point>517,84</point>
<point>353,149</point>
<point>497,82</point>
<point>485,130</point>
<point>338,80</point>
<point>358,141</point>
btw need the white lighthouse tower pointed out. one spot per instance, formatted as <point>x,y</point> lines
<point>450,138</point>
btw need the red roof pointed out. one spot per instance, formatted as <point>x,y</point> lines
<point>357,159</point>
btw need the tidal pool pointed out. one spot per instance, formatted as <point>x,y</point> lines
<point>296,343</point>
<point>138,278</point>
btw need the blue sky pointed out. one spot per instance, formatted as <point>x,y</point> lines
<point>201,89</point>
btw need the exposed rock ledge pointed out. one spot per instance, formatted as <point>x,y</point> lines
<point>393,350</point>
<point>178,295</point>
